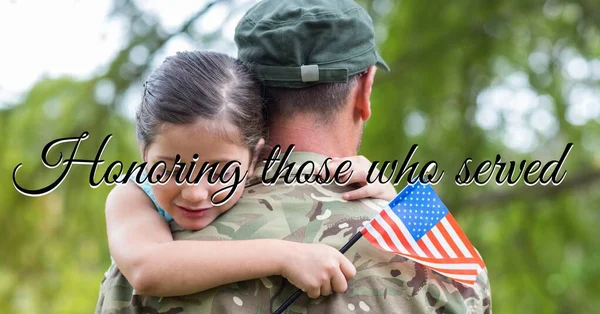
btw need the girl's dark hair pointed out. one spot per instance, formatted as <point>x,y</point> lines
<point>201,85</point>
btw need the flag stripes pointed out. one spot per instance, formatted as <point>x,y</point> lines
<point>436,241</point>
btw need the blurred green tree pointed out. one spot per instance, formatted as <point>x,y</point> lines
<point>469,79</point>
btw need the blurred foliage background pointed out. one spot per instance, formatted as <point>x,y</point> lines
<point>469,78</point>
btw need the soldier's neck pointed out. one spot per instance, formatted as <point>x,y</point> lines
<point>333,140</point>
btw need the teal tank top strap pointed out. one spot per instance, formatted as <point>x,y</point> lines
<point>148,190</point>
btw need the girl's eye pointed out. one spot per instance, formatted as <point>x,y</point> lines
<point>174,170</point>
<point>215,177</point>
<point>226,176</point>
<point>159,172</point>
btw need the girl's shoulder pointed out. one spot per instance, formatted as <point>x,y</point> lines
<point>131,187</point>
<point>147,188</point>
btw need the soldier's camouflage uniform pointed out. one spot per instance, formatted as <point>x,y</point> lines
<point>384,283</point>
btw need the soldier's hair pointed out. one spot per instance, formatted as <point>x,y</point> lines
<point>321,100</point>
<point>201,85</point>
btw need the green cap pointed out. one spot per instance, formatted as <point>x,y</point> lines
<point>299,43</point>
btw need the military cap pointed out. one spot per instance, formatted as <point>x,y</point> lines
<point>299,43</point>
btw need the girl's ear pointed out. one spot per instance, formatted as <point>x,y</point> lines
<point>143,152</point>
<point>256,155</point>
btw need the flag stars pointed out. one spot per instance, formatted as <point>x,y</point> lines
<point>419,212</point>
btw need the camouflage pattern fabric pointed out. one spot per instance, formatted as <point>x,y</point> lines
<point>384,283</point>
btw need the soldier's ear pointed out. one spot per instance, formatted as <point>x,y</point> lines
<point>363,95</point>
<point>255,156</point>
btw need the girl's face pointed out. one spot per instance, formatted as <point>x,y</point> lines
<point>190,205</point>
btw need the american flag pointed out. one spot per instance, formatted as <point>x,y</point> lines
<point>418,226</point>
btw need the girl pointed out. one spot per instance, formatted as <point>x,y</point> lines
<point>205,106</point>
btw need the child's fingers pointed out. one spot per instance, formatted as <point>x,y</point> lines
<point>326,288</point>
<point>360,169</point>
<point>339,283</point>
<point>358,176</point>
<point>356,172</point>
<point>314,293</point>
<point>347,268</point>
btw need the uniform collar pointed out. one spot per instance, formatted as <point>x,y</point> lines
<point>296,158</point>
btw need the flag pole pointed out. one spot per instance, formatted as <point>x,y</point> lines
<point>343,250</point>
<point>298,292</point>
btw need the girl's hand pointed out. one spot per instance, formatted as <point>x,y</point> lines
<point>359,169</point>
<point>317,269</point>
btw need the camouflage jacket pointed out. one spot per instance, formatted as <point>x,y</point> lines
<point>384,283</point>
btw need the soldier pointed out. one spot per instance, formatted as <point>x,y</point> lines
<point>317,60</point>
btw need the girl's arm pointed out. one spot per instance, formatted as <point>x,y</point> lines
<point>142,246</point>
